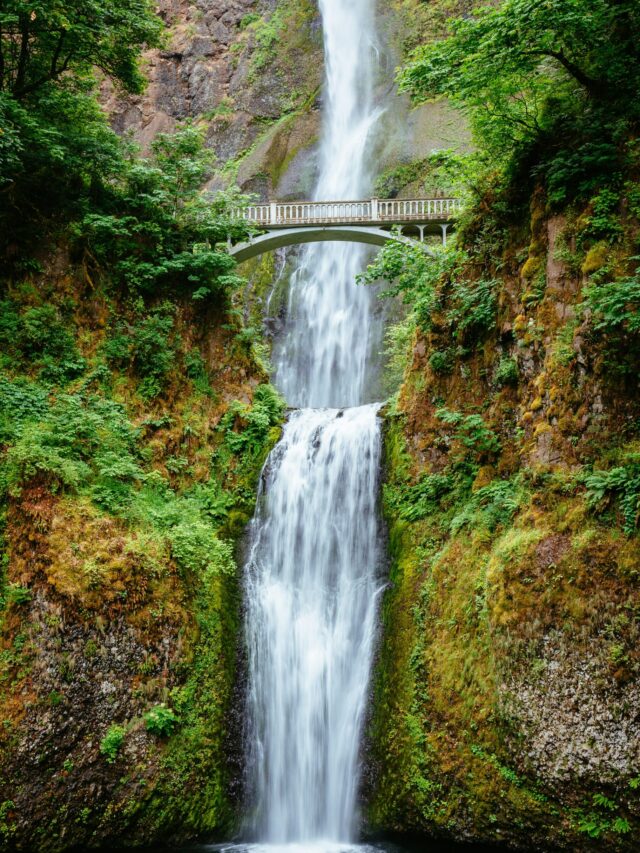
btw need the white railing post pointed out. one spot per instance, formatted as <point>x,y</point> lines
<point>273,213</point>
<point>374,210</point>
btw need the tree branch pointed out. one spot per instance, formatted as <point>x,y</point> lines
<point>596,88</point>
<point>24,52</point>
<point>55,71</point>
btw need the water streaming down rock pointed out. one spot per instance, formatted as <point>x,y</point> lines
<point>312,584</point>
<point>329,333</point>
<point>312,576</point>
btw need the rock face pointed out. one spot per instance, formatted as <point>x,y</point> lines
<point>251,72</point>
<point>101,626</point>
<point>241,68</point>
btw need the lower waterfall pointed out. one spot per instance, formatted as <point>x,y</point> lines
<point>311,601</point>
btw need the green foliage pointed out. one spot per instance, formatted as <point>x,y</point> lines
<point>148,348</point>
<point>77,439</point>
<point>619,487</point>
<point>616,304</point>
<point>472,309</point>
<point>413,274</point>
<point>247,427</point>
<point>390,182</point>
<point>248,19</point>
<point>490,507</point>
<point>196,548</point>
<point>471,432</point>
<point>507,372</point>
<point>157,230</point>
<point>398,338</point>
<point>442,362</point>
<point>599,820</point>
<point>603,221</point>
<point>436,283</point>
<point>16,594</point>
<point>55,142</point>
<point>447,495</point>
<point>112,742</point>
<point>549,87</point>
<point>42,41</point>
<point>424,498</point>
<point>160,721</point>
<point>40,339</point>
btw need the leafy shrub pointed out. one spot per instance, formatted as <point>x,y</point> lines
<point>248,19</point>
<point>197,372</point>
<point>72,441</point>
<point>442,362</point>
<point>507,372</point>
<point>616,304</point>
<point>604,220</point>
<point>255,422</point>
<point>16,594</point>
<point>579,172</point>
<point>620,485</point>
<point>112,742</point>
<point>196,548</point>
<point>425,497</point>
<point>490,507</point>
<point>160,721</point>
<point>20,401</point>
<point>472,308</point>
<point>147,348</point>
<point>413,275</point>
<point>471,431</point>
<point>114,475</point>
<point>36,454</point>
<point>160,232</point>
<point>38,337</point>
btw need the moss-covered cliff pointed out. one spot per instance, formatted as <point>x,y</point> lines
<point>132,440</point>
<point>507,688</point>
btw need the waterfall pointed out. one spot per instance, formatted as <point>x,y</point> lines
<point>313,567</point>
<point>322,359</point>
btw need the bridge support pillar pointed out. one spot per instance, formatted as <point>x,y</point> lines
<point>445,228</point>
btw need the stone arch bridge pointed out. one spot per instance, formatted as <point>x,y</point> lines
<point>371,221</point>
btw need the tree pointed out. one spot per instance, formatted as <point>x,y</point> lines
<point>56,146</point>
<point>526,66</point>
<point>155,229</point>
<point>43,40</point>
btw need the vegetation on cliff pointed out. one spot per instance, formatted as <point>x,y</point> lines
<point>134,419</point>
<point>135,414</point>
<point>506,684</point>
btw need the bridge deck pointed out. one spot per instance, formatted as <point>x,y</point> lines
<point>370,212</point>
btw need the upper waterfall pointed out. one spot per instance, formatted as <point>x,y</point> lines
<point>330,331</point>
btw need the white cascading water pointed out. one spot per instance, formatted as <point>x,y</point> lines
<point>313,570</point>
<point>322,360</point>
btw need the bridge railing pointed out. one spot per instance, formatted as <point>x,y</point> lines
<point>331,212</point>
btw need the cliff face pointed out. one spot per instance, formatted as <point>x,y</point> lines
<point>507,686</point>
<point>120,593</point>
<point>251,71</point>
<point>509,677</point>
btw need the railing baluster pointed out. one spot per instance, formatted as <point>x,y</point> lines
<point>381,210</point>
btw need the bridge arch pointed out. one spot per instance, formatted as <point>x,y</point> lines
<point>283,237</point>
